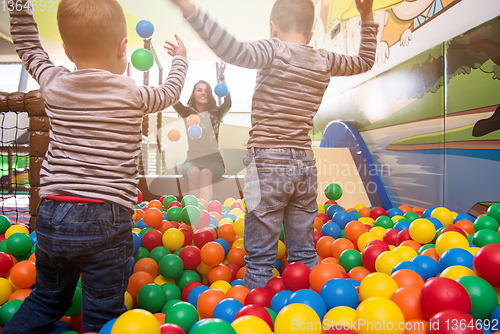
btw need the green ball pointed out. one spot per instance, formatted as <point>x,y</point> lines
<point>141,253</point>
<point>201,206</point>
<point>349,259</point>
<point>151,297</point>
<point>169,304</point>
<point>4,224</point>
<point>333,191</point>
<point>33,248</point>
<point>494,211</point>
<point>169,199</point>
<point>485,237</point>
<point>76,305</point>
<point>282,233</point>
<point>482,295</point>
<point>144,230</point>
<point>174,214</point>
<point>172,291</point>
<point>69,332</point>
<point>142,59</point>
<point>437,233</point>
<point>485,222</point>
<point>189,200</point>
<point>342,234</point>
<point>182,314</point>
<point>158,253</point>
<point>411,216</point>
<point>7,311</point>
<point>213,326</point>
<point>171,266</point>
<point>326,206</point>
<point>190,215</point>
<point>3,249</point>
<point>225,208</point>
<point>18,244</point>
<point>187,277</point>
<point>424,247</point>
<point>384,222</point>
<point>272,314</point>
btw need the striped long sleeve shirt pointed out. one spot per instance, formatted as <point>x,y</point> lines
<point>291,79</point>
<point>95,120</point>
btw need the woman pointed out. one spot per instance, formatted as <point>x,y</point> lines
<point>204,164</point>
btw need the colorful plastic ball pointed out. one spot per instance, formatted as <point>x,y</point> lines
<point>221,90</point>
<point>331,229</point>
<point>394,212</point>
<point>440,294</point>
<point>455,272</point>
<point>187,277</point>
<point>18,244</point>
<point>309,298</point>
<point>384,221</point>
<point>370,254</point>
<point>257,311</point>
<point>195,293</point>
<point>183,315</point>
<point>144,29</point>
<point>142,59</point>
<point>452,321</point>
<point>332,209</point>
<point>339,319</point>
<point>386,262</point>
<point>227,309</point>
<point>408,300</point>
<point>350,258</point>
<point>23,274</point>
<point>6,264</point>
<point>212,253</point>
<point>6,290</point>
<point>297,318</point>
<point>19,228</point>
<point>212,326</point>
<point>7,311</point>
<point>428,265</point>
<point>259,296</point>
<point>151,297</point>
<point>173,135</point>
<point>152,239</point>
<point>406,252</point>
<point>190,214</point>
<point>339,292</point>
<point>4,224</point>
<point>409,277</point>
<point>207,301</point>
<point>485,222</point>
<point>280,299</point>
<point>422,230</point>
<point>136,321</point>
<point>195,131</point>
<point>193,119</point>
<point>450,240</point>
<point>171,329</point>
<point>296,276</point>
<point>341,218</point>
<point>250,324</point>
<point>482,294</point>
<point>172,291</point>
<point>219,272</point>
<point>377,285</point>
<point>171,266</point>
<point>486,263</point>
<point>494,211</point>
<point>402,224</point>
<point>379,315</point>
<point>455,257</point>
<point>173,239</point>
<point>485,237</point>
<point>202,237</point>
<point>322,273</point>
<point>190,256</point>
<point>333,191</point>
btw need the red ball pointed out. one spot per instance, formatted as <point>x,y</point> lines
<point>174,203</point>
<point>257,311</point>
<point>453,229</point>
<point>390,236</point>
<point>487,263</point>
<point>202,236</point>
<point>453,322</point>
<point>6,264</point>
<point>190,256</point>
<point>139,197</point>
<point>440,293</point>
<point>233,267</point>
<point>152,239</point>
<point>368,227</point>
<point>275,285</point>
<point>296,276</point>
<point>324,217</point>
<point>379,243</point>
<point>188,237</point>
<point>187,289</point>
<point>259,296</point>
<point>214,206</point>
<point>377,212</point>
<point>171,329</point>
<point>316,236</point>
<point>370,254</point>
<point>403,236</point>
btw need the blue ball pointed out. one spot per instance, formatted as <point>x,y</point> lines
<point>353,215</point>
<point>230,215</point>
<point>428,265</point>
<point>137,241</point>
<point>310,298</point>
<point>195,131</point>
<point>144,29</point>
<point>427,213</point>
<point>331,229</point>
<point>332,209</point>
<point>58,327</point>
<point>195,293</point>
<point>237,282</point>
<point>456,257</point>
<point>402,224</point>
<point>341,218</point>
<point>436,222</point>
<point>224,245</point>
<point>226,309</point>
<point>353,282</point>
<point>213,221</point>
<point>106,329</point>
<point>339,292</point>
<point>140,224</point>
<point>221,90</point>
<point>461,216</point>
<point>280,300</point>
<point>495,318</point>
<point>410,266</point>
<point>394,212</point>
<point>33,238</point>
<point>277,265</point>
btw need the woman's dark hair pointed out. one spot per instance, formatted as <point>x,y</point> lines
<point>211,100</point>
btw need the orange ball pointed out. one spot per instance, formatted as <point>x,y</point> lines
<point>339,246</point>
<point>137,281</point>
<point>358,273</point>
<point>212,253</point>
<point>139,214</point>
<point>32,258</point>
<point>465,225</point>
<point>238,292</point>
<point>173,134</point>
<point>193,119</point>
<point>431,252</point>
<point>214,232</point>
<point>219,273</point>
<point>330,259</point>
<point>364,211</point>
<point>20,294</point>
<point>237,255</point>
<point>165,225</point>
<point>190,228</point>
<point>226,232</point>
<point>153,217</point>
<point>417,209</point>
<point>417,326</point>
<point>202,202</point>
<point>354,229</point>
<point>322,273</point>
<point>406,277</point>
<point>160,317</point>
<point>155,204</point>
<point>408,300</point>
<point>324,246</point>
<point>207,302</point>
<point>411,243</point>
<point>404,208</point>
<point>318,223</point>
<point>148,265</point>
<point>23,274</point>
<point>241,273</point>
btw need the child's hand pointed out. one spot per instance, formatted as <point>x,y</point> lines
<point>222,69</point>
<point>364,8</point>
<point>176,49</point>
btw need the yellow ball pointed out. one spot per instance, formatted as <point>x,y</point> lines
<point>243,203</point>
<point>229,201</point>
<point>359,206</point>
<point>443,215</point>
<point>221,285</point>
<point>473,250</point>
<point>136,321</point>
<point>203,268</point>
<point>396,218</point>
<point>173,239</point>
<point>136,229</point>
<point>129,301</point>
<point>237,212</point>
<point>377,285</point>
<point>366,220</point>
<point>449,240</point>
<point>321,208</point>
<point>455,272</point>
<point>392,247</point>
<point>340,316</point>
<point>379,315</point>
<point>281,249</point>
<point>16,229</point>
<point>422,231</point>
<point>297,318</point>
<point>250,324</point>
<point>239,226</point>
<point>225,221</point>
<point>379,231</point>
<point>407,253</point>
<point>386,261</point>
<point>238,243</point>
<point>5,290</point>
<point>160,280</point>
<point>364,239</point>
<point>276,273</point>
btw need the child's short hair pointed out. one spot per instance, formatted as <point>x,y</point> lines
<point>91,27</point>
<point>294,15</point>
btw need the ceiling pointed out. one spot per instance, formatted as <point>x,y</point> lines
<point>246,19</point>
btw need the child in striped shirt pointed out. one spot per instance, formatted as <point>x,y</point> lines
<point>281,175</point>
<point>89,177</point>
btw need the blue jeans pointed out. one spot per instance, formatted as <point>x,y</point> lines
<point>280,189</point>
<point>91,239</point>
